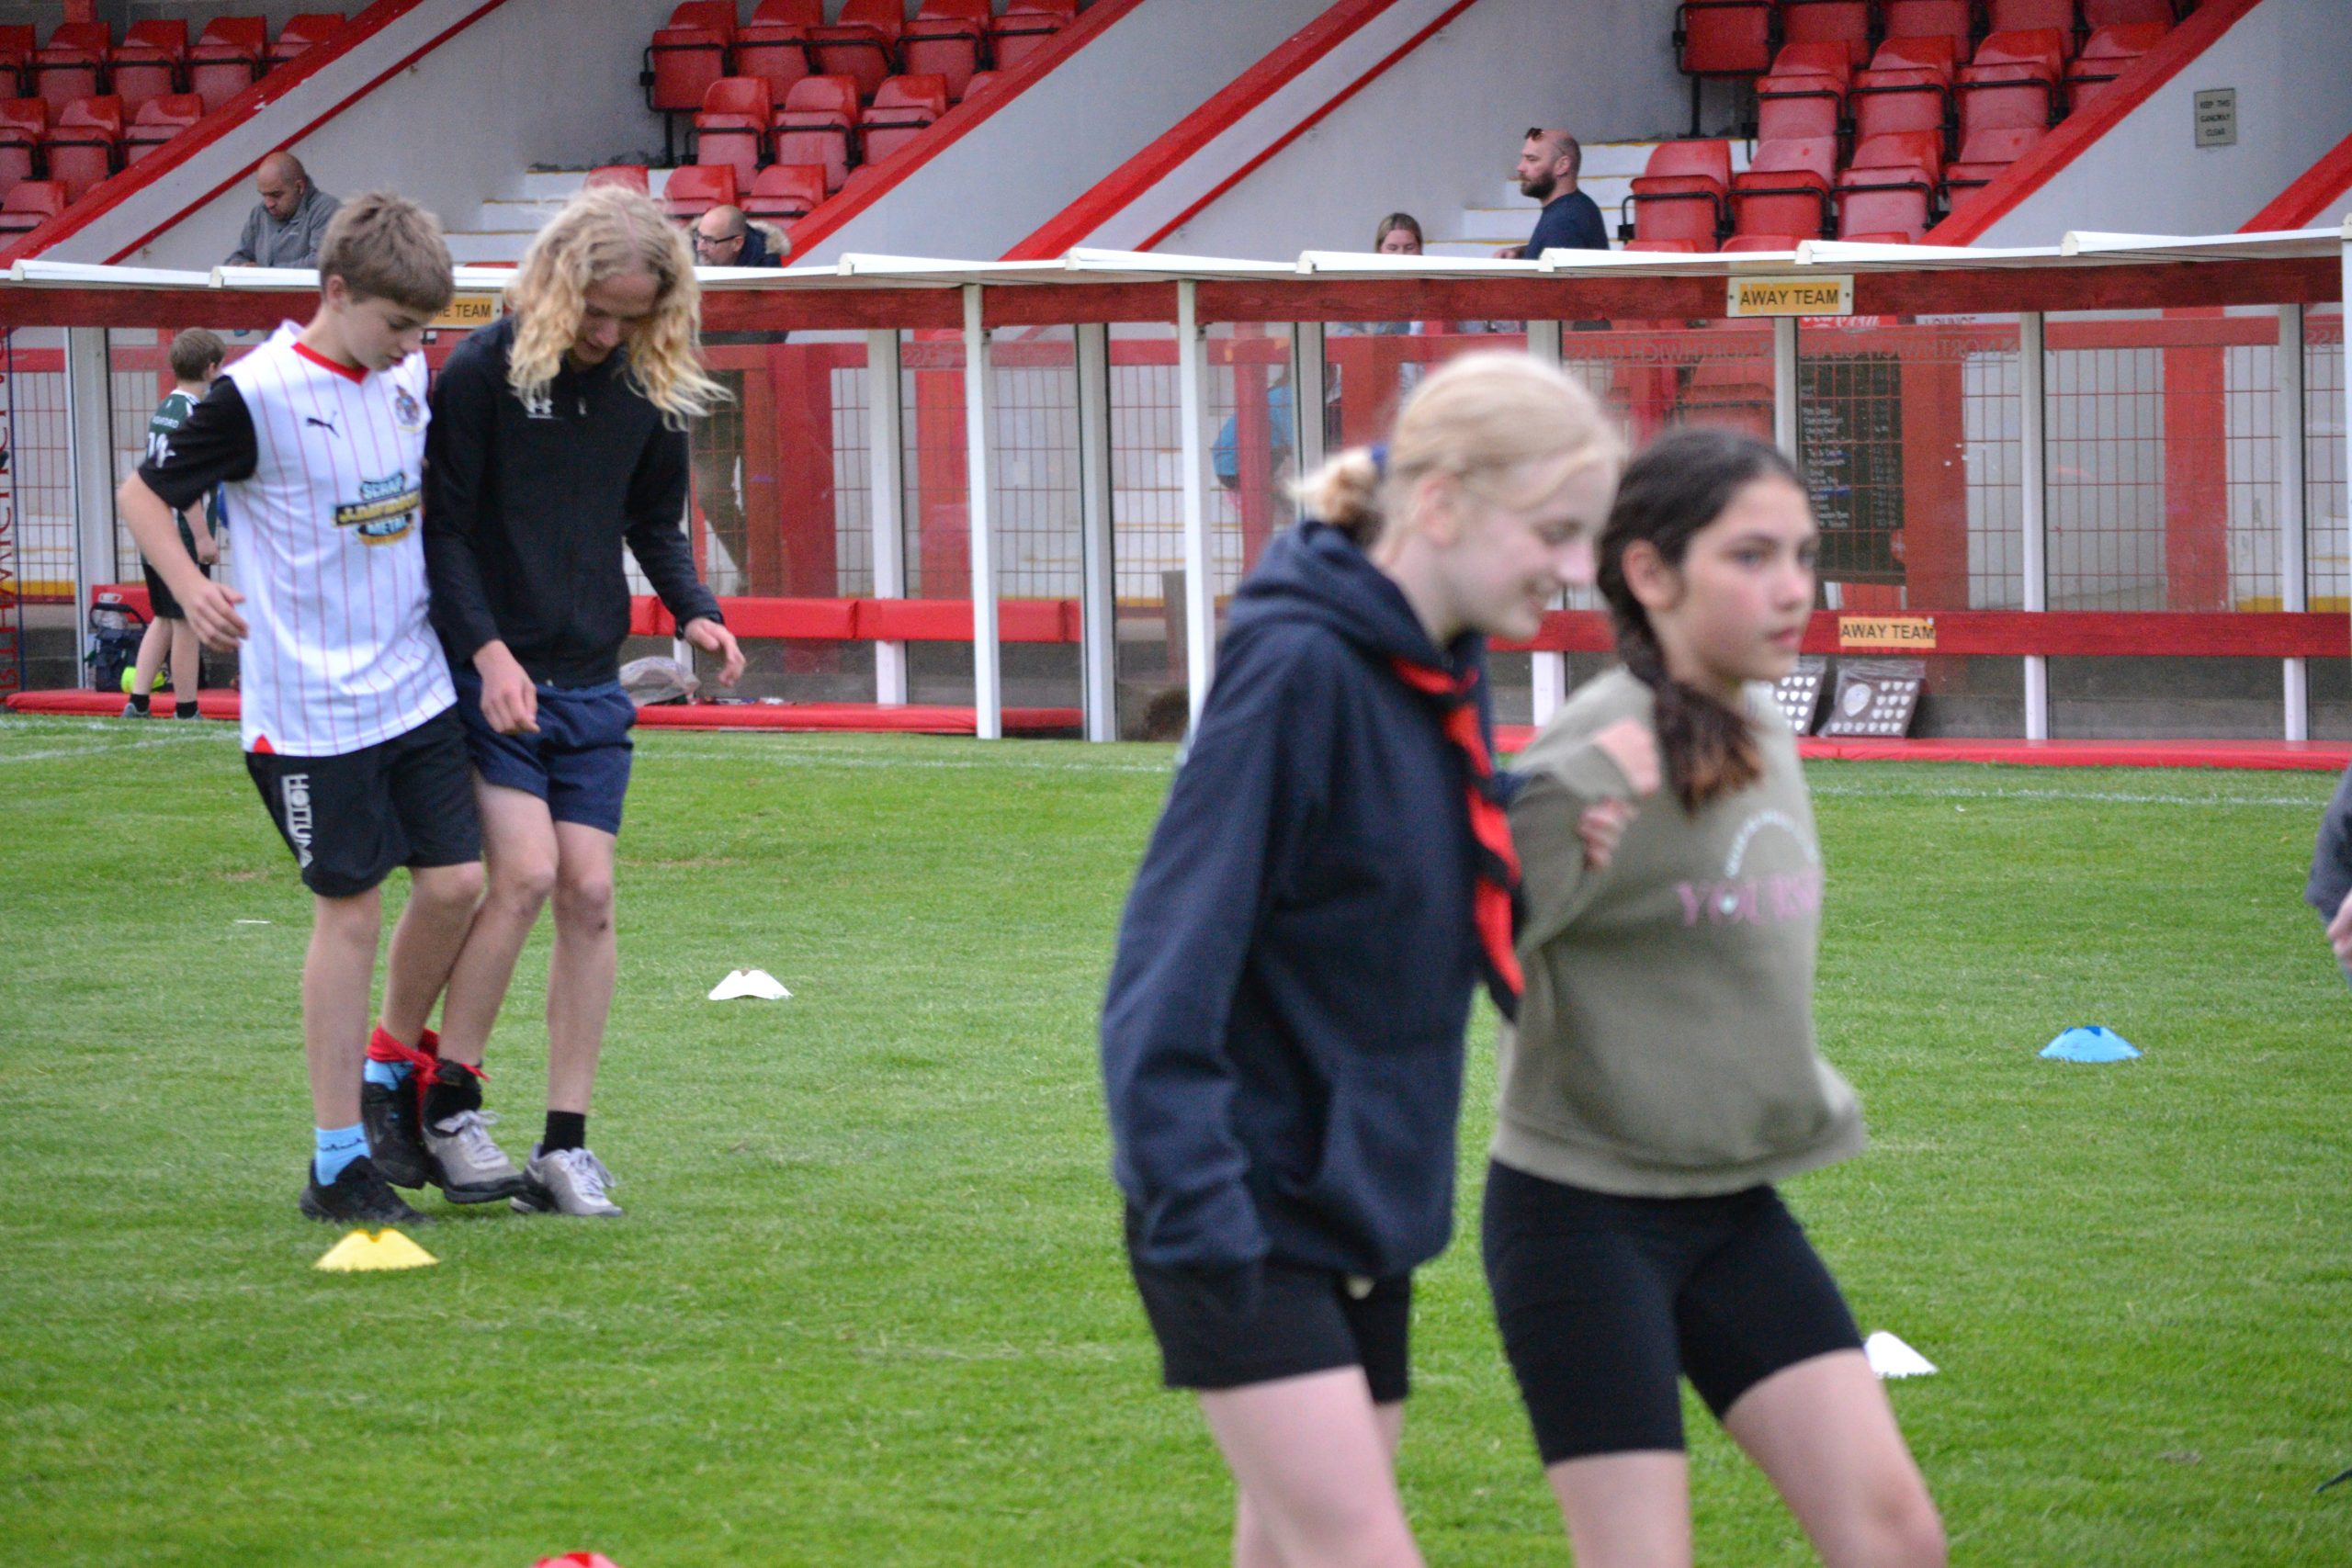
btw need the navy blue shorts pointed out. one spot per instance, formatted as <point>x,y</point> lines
<point>579,761</point>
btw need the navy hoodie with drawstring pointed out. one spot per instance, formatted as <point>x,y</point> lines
<point>1283,1037</point>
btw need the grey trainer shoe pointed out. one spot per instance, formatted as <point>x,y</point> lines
<point>472,1168</point>
<point>567,1181</point>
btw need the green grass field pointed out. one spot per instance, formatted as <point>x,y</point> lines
<point>868,1305</point>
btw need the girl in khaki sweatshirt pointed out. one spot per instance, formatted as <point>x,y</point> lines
<point>1662,1074</point>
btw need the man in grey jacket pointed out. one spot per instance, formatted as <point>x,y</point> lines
<point>286,228</point>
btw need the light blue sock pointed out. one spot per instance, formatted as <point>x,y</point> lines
<point>391,1075</point>
<point>338,1146</point>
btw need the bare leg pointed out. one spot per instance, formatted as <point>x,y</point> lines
<point>336,976</point>
<point>587,955</point>
<point>1626,1509</point>
<point>186,671</point>
<point>426,941</point>
<point>519,855</point>
<point>1312,1458</point>
<point>153,644</point>
<point>1826,1434</point>
<point>1253,1547</point>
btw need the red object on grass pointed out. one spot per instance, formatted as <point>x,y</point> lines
<point>577,1560</point>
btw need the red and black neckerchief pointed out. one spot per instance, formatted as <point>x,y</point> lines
<point>1495,896</point>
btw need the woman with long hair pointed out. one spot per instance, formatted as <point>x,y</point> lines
<point>1662,1074</point>
<point>1331,877</point>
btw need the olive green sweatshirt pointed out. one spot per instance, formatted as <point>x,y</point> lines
<point>1665,1043</point>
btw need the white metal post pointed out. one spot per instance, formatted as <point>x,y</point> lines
<point>1098,598</point>
<point>886,506</point>
<point>1200,596</point>
<point>2294,577</point>
<point>1307,393</point>
<point>89,435</point>
<point>2033,425</point>
<point>979,443</point>
<point>1548,673</point>
<point>1785,385</point>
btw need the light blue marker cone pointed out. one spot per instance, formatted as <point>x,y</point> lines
<point>2090,1043</point>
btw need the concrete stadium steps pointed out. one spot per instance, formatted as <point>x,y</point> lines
<point>501,230</point>
<point>1609,171</point>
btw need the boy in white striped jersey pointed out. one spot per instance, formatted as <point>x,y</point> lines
<point>349,724</point>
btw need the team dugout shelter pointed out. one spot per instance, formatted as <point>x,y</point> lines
<point>2093,492</point>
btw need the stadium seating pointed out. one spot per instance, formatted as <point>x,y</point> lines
<point>1681,193</point>
<point>694,189</point>
<point>1804,96</point>
<point>862,43</point>
<point>2035,16</point>
<point>1785,189</point>
<point>1724,37</point>
<point>774,45</point>
<point>156,121</point>
<point>819,124</point>
<point>904,109</point>
<point>23,125</point>
<point>1026,27</point>
<point>1955,19</point>
<point>1764,242</point>
<point>2110,51</point>
<point>2097,14</point>
<point>228,56</point>
<point>785,193</point>
<point>149,62</point>
<point>629,176</point>
<point>85,145</point>
<point>1983,157</point>
<point>2014,80</point>
<point>300,32</point>
<point>980,83</point>
<point>731,127</point>
<point>1890,186</point>
<point>685,57</point>
<point>1907,87</point>
<point>1846,23</point>
<point>1673,247</point>
<point>948,39</point>
<point>17,46</point>
<point>70,66</point>
<point>30,204</point>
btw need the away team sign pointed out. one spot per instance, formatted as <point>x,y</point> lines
<point>467,311</point>
<point>1791,296</point>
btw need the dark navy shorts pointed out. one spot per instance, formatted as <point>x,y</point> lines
<point>579,761</point>
<point>1604,1301</point>
<point>351,818</point>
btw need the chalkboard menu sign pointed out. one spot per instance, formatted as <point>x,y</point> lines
<point>1850,438</point>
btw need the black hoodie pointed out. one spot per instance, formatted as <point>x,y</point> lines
<point>1282,1041</point>
<point>2332,856</point>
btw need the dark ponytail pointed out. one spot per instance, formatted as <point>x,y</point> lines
<point>1669,494</point>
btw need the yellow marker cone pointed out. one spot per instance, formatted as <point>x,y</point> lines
<point>363,1252</point>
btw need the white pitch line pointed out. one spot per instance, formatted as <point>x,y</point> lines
<point>2301,803</point>
<point>106,749</point>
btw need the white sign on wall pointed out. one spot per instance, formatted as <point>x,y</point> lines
<point>2217,117</point>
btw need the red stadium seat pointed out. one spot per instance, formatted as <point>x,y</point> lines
<point>819,124</point>
<point>1722,38</point>
<point>69,64</point>
<point>85,145</point>
<point>156,121</point>
<point>629,176</point>
<point>29,205</point>
<point>228,56</point>
<point>1765,242</point>
<point>774,45</point>
<point>1785,189</point>
<point>1890,186</point>
<point>2109,52</point>
<point>1936,54</point>
<point>903,110</point>
<point>1955,19</point>
<point>2033,15</point>
<point>1983,157</point>
<point>23,125</point>
<point>685,57</point>
<point>149,62</point>
<point>1801,107</point>
<point>1883,237</point>
<point>980,83</point>
<point>731,127</point>
<point>1673,247</point>
<point>694,189</point>
<point>1026,27</point>
<point>947,38</point>
<point>1679,194</point>
<point>17,46</point>
<point>862,43</point>
<point>785,193</point>
<point>2097,14</point>
<point>2014,80</point>
<point>1907,87</point>
<point>1846,23</point>
<point>300,32</point>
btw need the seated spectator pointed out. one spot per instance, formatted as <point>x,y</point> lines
<point>286,228</point>
<point>1548,162</point>
<point>724,237</point>
<point>1399,234</point>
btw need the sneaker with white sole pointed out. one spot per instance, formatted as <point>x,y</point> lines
<point>567,1181</point>
<point>469,1165</point>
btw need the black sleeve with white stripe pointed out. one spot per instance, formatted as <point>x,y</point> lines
<point>215,447</point>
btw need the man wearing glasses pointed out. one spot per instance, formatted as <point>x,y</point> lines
<point>724,237</point>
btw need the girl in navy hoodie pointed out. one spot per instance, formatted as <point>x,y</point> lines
<point>1332,876</point>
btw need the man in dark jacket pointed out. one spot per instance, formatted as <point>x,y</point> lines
<point>2330,889</point>
<point>1548,164</point>
<point>724,237</point>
